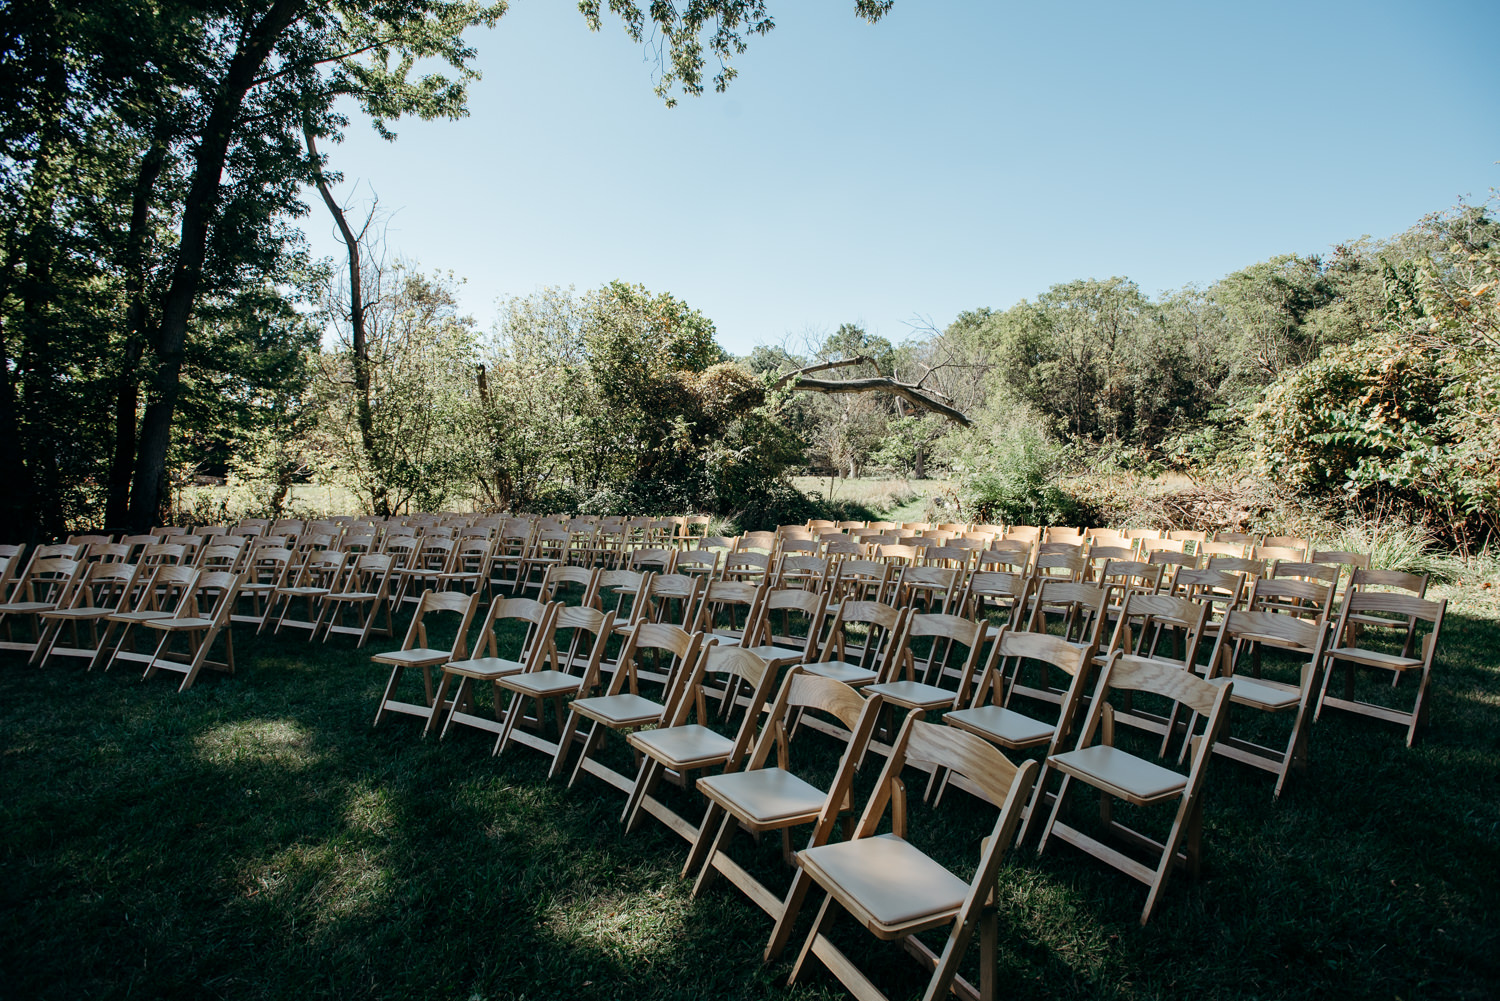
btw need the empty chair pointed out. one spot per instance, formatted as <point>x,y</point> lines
<point>682,747</point>
<point>954,658</point>
<point>859,660</point>
<point>990,716</point>
<point>200,621</point>
<point>320,576</point>
<point>160,592</point>
<point>1306,639</point>
<point>1141,782</point>
<point>767,795</point>
<point>417,652</point>
<point>894,888</point>
<point>534,619</point>
<point>800,615</point>
<point>621,710</point>
<point>993,590</point>
<point>575,649</point>
<point>102,590</point>
<point>45,584</point>
<point>365,595</point>
<point>727,608</point>
<point>1078,611</point>
<point>1400,612</point>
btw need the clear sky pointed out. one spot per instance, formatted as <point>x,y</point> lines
<point>959,154</point>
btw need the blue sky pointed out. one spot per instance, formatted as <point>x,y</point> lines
<point>955,155</point>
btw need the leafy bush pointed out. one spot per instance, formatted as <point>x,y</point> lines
<point>1008,468</point>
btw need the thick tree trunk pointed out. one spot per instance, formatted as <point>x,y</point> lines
<point>199,208</point>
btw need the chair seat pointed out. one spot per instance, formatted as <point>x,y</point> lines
<point>680,747</point>
<point>484,667</point>
<point>418,657</point>
<point>25,607</point>
<point>619,710</point>
<point>1122,773</point>
<point>1263,694</point>
<point>914,694</point>
<point>766,797</point>
<point>838,670</point>
<point>304,592</point>
<point>1374,658</point>
<point>141,616</point>
<point>778,656</point>
<point>1003,725</point>
<point>886,878</point>
<point>352,596</point>
<point>543,683</point>
<point>85,612</point>
<point>175,625</point>
<point>725,639</point>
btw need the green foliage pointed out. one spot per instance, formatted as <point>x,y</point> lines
<point>621,401</point>
<point>424,398</point>
<point>1008,469</point>
<point>1408,415</point>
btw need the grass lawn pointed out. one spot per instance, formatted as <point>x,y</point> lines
<point>256,837</point>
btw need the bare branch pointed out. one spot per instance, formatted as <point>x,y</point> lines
<point>913,394</point>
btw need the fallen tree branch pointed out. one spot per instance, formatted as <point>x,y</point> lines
<point>913,394</point>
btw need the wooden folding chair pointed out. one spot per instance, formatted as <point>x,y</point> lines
<point>208,609</point>
<point>1118,774</point>
<point>727,608</point>
<point>575,649</point>
<point>102,590</point>
<point>860,661</point>
<point>679,747</point>
<point>795,607</point>
<point>951,638</point>
<point>1285,632</point>
<point>160,592</point>
<point>766,795</point>
<point>416,652</point>
<point>1004,592</point>
<point>366,594</point>
<point>266,569</point>
<point>619,710</point>
<point>565,583</point>
<point>45,584</point>
<point>895,889</point>
<point>487,665</point>
<point>320,576</point>
<point>1080,611</point>
<point>932,588</point>
<point>1397,611</point>
<point>989,715</point>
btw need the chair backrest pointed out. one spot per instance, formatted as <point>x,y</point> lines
<point>585,579</point>
<point>697,561</point>
<point>104,585</point>
<point>1129,673</point>
<point>1273,554</point>
<point>535,620</point>
<point>883,626</point>
<point>629,587</point>
<point>163,552</point>
<point>1148,614</point>
<point>1007,590</point>
<point>1291,596</point>
<point>1228,550</point>
<point>802,571</point>
<point>442,603</point>
<point>861,579</point>
<point>221,557</point>
<point>213,595</point>
<point>370,573</point>
<point>576,643</point>
<point>1240,538</point>
<point>657,560</point>
<point>1068,566</point>
<point>1251,569</point>
<point>1213,587</point>
<point>1152,546</point>
<point>1365,578</point>
<point>673,598</point>
<point>1123,577</point>
<point>47,579</point>
<point>937,587</point>
<point>1285,632</point>
<point>1341,557</point>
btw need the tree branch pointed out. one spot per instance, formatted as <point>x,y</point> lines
<point>913,394</point>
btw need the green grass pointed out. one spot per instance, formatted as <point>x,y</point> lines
<point>256,837</point>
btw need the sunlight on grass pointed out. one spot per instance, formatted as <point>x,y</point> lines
<point>627,926</point>
<point>331,881</point>
<point>262,741</point>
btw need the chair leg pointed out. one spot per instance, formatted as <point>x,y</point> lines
<point>713,835</point>
<point>790,909</point>
<point>823,921</point>
<point>564,744</point>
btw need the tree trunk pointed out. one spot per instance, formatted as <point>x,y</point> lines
<point>198,212</point>
<point>128,386</point>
